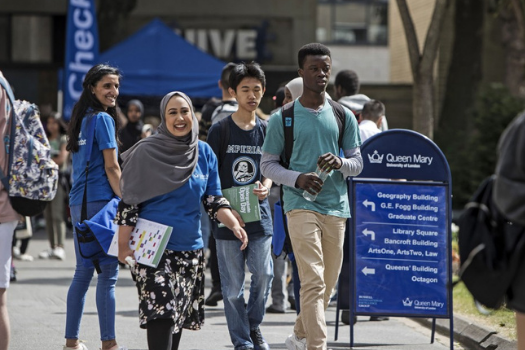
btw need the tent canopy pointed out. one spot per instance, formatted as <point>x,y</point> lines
<point>155,61</point>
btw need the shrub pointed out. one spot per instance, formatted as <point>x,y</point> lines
<point>495,109</point>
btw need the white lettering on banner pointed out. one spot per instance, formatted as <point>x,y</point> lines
<point>246,44</point>
<point>82,24</point>
<point>222,46</point>
<point>71,87</point>
<point>80,3</point>
<point>84,41</point>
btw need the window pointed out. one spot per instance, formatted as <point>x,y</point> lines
<point>353,22</point>
<point>31,39</point>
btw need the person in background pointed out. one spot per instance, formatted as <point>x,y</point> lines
<point>23,233</point>
<point>131,133</point>
<point>182,173</point>
<point>316,228</point>
<point>294,89</point>
<point>278,99</point>
<point>371,117</point>
<point>97,104</point>
<point>54,212</point>
<point>239,166</point>
<point>147,130</point>
<point>8,222</point>
<point>346,88</point>
<point>509,197</point>
<point>280,263</point>
<point>227,106</point>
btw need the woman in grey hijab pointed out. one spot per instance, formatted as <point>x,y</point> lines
<point>166,177</point>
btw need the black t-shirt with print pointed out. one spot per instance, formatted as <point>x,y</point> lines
<point>241,166</point>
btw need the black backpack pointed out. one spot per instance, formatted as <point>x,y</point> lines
<point>490,248</point>
<point>287,112</point>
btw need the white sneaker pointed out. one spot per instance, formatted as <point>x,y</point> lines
<point>58,253</point>
<point>16,252</point>
<point>25,257</point>
<point>294,343</point>
<point>46,254</point>
<point>81,346</point>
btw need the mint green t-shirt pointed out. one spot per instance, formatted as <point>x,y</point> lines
<point>314,135</point>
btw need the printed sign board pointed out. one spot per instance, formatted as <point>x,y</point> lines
<point>398,244</point>
<point>400,248</point>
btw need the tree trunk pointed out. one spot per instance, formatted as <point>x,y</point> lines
<point>514,42</point>
<point>455,126</point>
<point>422,64</point>
<point>423,104</point>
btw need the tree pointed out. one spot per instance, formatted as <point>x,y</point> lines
<point>422,65</point>
<point>511,14</point>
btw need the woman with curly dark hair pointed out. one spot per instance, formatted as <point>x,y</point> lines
<point>94,120</point>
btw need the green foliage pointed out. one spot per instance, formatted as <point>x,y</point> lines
<point>495,109</point>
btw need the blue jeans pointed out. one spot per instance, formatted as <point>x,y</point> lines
<point>232,262</point>
<point>105,294</point>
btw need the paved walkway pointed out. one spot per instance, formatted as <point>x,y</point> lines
<point>37,304</point>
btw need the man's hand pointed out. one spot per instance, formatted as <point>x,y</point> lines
<point>261,191</point>
<point>309,182</point>
<point>328,161</point>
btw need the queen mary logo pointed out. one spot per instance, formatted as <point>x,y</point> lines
<point>243,170</point>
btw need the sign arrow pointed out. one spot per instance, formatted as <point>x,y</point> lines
<point>372,234</point>
<point>368,271</point>
<point>367,203</point>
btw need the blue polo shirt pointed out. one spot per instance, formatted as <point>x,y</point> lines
<point>98,187</point>
<point>180,208</point>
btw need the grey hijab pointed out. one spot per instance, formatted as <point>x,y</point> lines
<point>159,163</point>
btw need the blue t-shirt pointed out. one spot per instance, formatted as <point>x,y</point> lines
<point>180,208</point>
<point>313,136</point>
<point>240,167</point>
<point>98,187</point>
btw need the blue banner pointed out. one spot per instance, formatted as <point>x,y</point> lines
<point>401,241</point>
<point>81,50</point>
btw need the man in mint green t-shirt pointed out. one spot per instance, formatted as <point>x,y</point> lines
<point>316,227</point>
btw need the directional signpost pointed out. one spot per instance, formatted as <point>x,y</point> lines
<point>399,252</point>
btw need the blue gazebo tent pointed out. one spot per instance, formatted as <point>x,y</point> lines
<point>155,60</point>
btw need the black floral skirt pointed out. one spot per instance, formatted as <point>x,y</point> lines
<point>174,289</point>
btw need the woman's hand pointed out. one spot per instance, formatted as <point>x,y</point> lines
<point>124,251</point>
<point>239,232</point>
<point>238,217</point>
<point>228,218</point>
<point>124,255</point>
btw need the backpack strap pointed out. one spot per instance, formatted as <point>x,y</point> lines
<point>288,123</point>
<point>225,138</point>
<point>9,139</point>
<point>339,112</point>
<point>91,123</point>
<point>8,89</point>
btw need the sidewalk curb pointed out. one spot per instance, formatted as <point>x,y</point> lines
<point>469,334</point>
